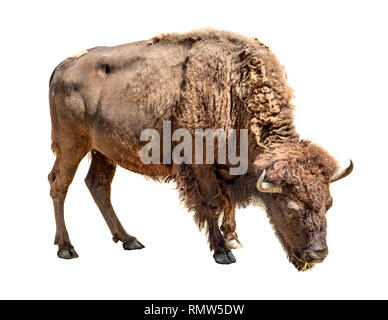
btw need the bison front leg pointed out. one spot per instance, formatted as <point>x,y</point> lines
<point>99,180</point>
<point>60,178</point>
<point>228,227</point>
<point>201,192</point>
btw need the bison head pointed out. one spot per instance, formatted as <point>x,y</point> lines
<point>294,186</point>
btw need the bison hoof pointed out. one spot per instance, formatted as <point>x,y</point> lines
<point>67,251</point>
<point>132,244</point>
<point>224,256</point>
<point>233,244</point>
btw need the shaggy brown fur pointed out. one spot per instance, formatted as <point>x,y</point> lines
<point>102,99</point>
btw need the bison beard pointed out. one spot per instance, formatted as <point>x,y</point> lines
<point>103,98</point>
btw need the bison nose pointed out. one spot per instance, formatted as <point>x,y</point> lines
<point>314,255</point>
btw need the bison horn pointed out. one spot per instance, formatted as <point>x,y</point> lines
<point>342,173</point>
<point>267,187</point>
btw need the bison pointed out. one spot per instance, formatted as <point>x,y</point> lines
<point>102,99</point>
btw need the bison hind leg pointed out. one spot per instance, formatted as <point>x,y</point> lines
<point>98,181</point>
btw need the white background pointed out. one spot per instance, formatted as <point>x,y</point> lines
<point>335,54</point>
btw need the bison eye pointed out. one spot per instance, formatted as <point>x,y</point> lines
<point>289,212</point>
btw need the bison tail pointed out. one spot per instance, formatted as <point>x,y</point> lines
<point>54,143</point>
